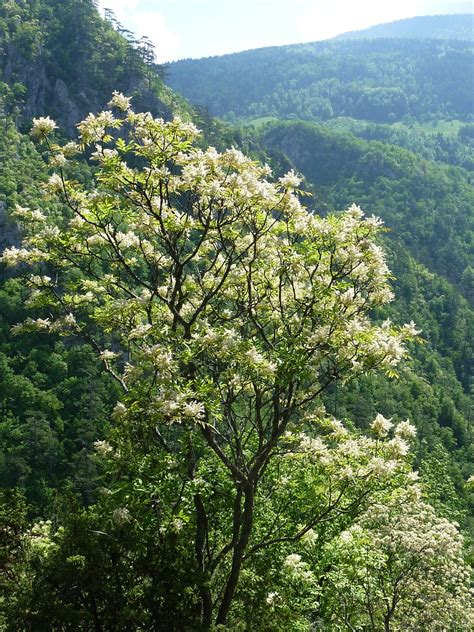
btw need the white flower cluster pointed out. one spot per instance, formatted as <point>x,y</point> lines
<point>298,569</point>
<point>194,410</point>
<point>104,155</point>
<point>120,410</point>
<point>402,431</point>
<point>32,324</point>
<point>405,430</point>
<point>58,160</point>
<point>108,354</point>
<point>345,456</point>
<point>121,516</point>
<point>55,184</point>
<point>168,406</point>
<point>272,598</point>
<point>39,280</point>
<point>28,215</point>
<point>428,582</point>
<point>290,180</point>
<point>310,538</point>
<point>381,426</point>
<point>41,538</point>
<point>140,331</point>
<point>14,256</point>
<point>42,126</point>
<point>315,448</point>
<point>120,102</point>
<point>95,127</point>
<point>70,149</point>
<point>103,448</point>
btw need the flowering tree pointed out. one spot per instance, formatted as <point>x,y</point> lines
<point>224,309</point>
<point>400,567</point>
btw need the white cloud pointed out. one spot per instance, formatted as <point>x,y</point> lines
<point>142,20</point>
<point>331,18</point>
<point>120,6</point>
<point>182,28</point>
<point>153,25</point>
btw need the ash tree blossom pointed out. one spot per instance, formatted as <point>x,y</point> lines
<point>42,126</point>
<point>224,308</point>
<point>400,567</point>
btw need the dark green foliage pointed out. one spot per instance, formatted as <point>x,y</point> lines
<point>109,568</point>
<point>54,400</point>
<point>435,144</point>
<point>22,168</point>
<point>13,524</point>
<point>54,404</point>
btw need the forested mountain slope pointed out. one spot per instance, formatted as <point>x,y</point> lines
<point>428,206</point>
<point>59,59</point>
<point>457,26</point>
<point>450,142</point>
<point>382,80</point>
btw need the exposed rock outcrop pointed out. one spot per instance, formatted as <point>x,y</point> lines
<point>9,230</point>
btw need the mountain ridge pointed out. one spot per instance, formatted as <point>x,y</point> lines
<point>448,26</point>
<point>381,80</point>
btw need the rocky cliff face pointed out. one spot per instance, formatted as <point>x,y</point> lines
<point>45,96</point>
<point>9,232</point>
<point>30,73</point>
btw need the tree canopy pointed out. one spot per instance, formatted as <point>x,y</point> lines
<point>224,310</point>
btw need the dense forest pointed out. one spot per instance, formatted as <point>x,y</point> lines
<point>212,415</point>
<point>379,80</point>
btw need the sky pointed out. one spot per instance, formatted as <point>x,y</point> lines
<point>200,28</point>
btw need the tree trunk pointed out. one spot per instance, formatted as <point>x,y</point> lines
<point>200,545</point>
<point>238,556</point>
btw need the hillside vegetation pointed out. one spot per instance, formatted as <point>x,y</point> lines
<point>384,80</point>
<point>211,411</point>
<point>427,206</point>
